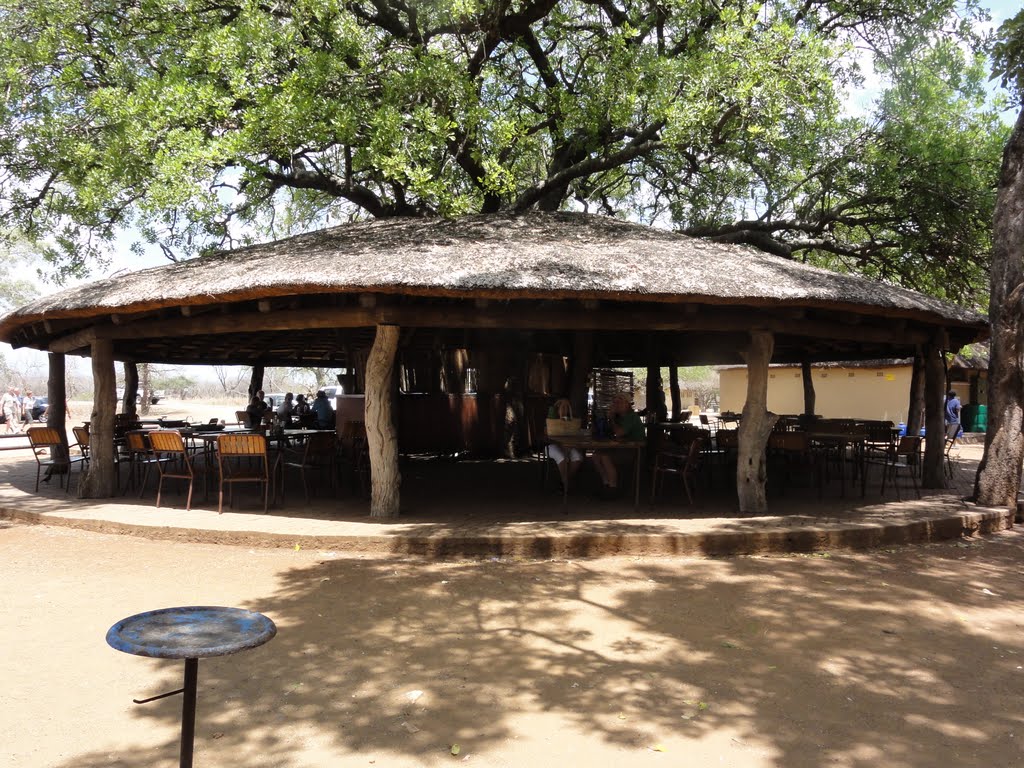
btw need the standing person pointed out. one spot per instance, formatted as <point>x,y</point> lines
<point>11,409</point>
<point>952,408</point>
<point>323,411</point>
<point>625,425</point>
<point>28,404</point>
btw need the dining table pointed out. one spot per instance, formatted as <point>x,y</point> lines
<point>586,442</point>
<point>839,442</point>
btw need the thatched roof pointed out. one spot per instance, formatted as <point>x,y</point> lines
<point>538,256</point>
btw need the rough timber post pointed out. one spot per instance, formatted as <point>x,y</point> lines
<point>915,404</point>
<point>56,391</point>
<point>129,403</point>
<point>100,481</point>
<point>256,381</point>
<point>809,395</point>
<point>755,425</point>
<point>381,436</point>
<point>933,474</point>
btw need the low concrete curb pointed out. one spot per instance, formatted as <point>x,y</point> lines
<point>574,543</point>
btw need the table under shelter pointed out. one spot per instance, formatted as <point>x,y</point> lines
<point>432,321</point>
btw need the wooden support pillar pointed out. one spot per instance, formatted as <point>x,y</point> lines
<point>915,405</point>
<point>673,390</point>
<point>100,481</point>
<point>809,395</point>
<point>131,388</point>
<point>381,435</point>
<point>579,378</point>
<point>755,425</point>
<point>56,392</point>
<point>256,381</point>
<point>933,474</point>
<point>146,391</point>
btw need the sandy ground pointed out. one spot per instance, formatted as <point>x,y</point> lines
<point>905,658</point>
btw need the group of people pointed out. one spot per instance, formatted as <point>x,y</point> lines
<point>17,408</point>
<point>292,410</point>
<point>623,424</point>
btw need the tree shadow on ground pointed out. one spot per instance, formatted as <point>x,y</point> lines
<point>857,660</point>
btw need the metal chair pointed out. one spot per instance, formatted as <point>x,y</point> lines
<point>317,455</point>
<point>58,459</point>
<point>903,457</point>
<point>173,461</point>
<point>242,459</point>
<point>953,432</point>
<point>685,465</point>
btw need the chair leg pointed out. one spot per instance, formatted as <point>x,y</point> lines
<point>188,500</point>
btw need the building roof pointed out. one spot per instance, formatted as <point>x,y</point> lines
<point>536,257</point>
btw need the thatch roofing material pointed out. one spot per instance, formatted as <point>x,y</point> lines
<point>549,255</point>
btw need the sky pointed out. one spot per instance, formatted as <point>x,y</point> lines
<point>123,259</point>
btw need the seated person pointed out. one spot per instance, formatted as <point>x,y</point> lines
<point>322,410</point>
<point>255,410</point>
<point>626,425</point>
<point>285,410</point>
<point>568,460</point>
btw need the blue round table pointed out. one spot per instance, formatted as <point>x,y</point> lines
<point>190,633</point>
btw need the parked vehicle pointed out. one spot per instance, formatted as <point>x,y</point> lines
<point>154,397</point>
<point>274,399</point>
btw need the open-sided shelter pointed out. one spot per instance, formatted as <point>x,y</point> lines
<point>593,290</point>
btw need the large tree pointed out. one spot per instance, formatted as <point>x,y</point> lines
<point>198,122</point>
<point>998,480</point>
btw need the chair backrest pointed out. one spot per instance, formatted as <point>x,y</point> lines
<point>320,444</point>
<point>693,456</point>
<point>81,435</point>
<point>136,440</point>
<point>43,437</point>
<point>909,446</point>
<point>166,441</point>
<point>727,438</point>
<point>241,417</point>
<point>796,442</point>
<point>242,445</point>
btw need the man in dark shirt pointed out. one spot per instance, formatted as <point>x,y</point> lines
<point>952,408</point>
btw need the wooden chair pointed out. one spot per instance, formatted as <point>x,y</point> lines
<point>684,465</point>
<point>58,459</point>
<point>242,459</point>
<point>318,455</point>
<point>241,418</point>
<point>173,461</point>
<point>82,441</point>
<point>140,459</point>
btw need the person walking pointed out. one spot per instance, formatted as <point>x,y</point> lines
<point>11,409</point>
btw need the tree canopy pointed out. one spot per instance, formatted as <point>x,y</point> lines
<point>199,122</point>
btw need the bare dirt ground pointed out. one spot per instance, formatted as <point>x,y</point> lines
<point>905,658</point>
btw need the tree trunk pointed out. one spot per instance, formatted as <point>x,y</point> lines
<point>255,381</point>
<point>673,388</point>
<point>916,405</point>
<point>933,474</point>
<point>57,394</point>
<point>755,425</point>
<point>131,388</point>
<point>100,480</point>
<point>381,435</point>
<point>809,394</point>
<point>145,388</point>
<point>998,479</point>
